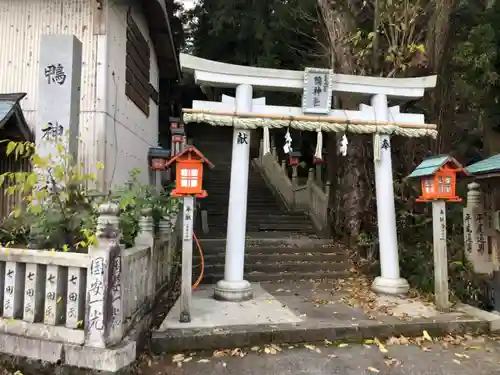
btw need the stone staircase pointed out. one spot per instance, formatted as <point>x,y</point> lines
<point>280,244</point>
<point>298,258</point>
<point>264,211</point>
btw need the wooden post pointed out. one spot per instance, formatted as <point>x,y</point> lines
<point>187,259</point>
<point>440,255</point>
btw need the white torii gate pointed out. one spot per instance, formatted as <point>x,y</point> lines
<point>216,74</point>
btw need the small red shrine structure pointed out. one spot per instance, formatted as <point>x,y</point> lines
<point>438,177</point>
<point>189,172</point>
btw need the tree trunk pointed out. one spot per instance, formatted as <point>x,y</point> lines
<point>438,53</point>
<point>350,193</point>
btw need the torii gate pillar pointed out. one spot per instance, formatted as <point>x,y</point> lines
<point>390,281</point>
<point>234,287</point>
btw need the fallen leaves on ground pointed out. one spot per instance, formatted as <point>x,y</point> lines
<point>177,358</point>
<point>373,369</point>
<point>272,349</point>
<point>360,295</point>
<point>320,301</point>
<point>392,362</point>
<point>381,346</point>
<point>312,347</point>
<point>237,352</point>
<point>426,336</point>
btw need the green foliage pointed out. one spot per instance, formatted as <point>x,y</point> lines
<point>274,33</point>
<point>58,209</point>
<point>414,228</point>
<point>133,198</point>
<point>55,205</point>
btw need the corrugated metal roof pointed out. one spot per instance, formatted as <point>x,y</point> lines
<point>7,106</point>
<point>10,107</point>
<point>489,165</point>
<point>430,166</point>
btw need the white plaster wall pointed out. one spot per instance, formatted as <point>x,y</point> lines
<point>129,132</point>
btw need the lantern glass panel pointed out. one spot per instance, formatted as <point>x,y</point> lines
<point>189,177</point>
<point>447,185</point>
<point>429,185</point>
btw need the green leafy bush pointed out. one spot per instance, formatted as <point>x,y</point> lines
<point>58,208</point>
<point>133,197</point>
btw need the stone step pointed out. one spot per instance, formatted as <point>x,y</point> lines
<point>223,177</point>
<point>256,209</point>
<point>216,229</point>
<point>254,202</point>
<point>296,276</point>
<point>250,257</point>
<point>254,198</point>
<point>282,268</point>
<point>252,210</point>
<point>264,223</point>
<point>263,227</point>
<point>223,189</point>
<point>292,227</point>
<point>218,247</point>
<point>263,218</point>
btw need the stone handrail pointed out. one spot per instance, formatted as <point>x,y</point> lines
<point>318,205</point>
<point>77,300</point>
<point>309,198</point>
<point>276,177</point>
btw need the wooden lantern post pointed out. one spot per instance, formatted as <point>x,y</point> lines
<point>178,136</point>
<point>158,158</point>
<point>438,177</point>
<point>189,179</point>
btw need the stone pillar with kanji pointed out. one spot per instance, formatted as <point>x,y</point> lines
<point>475,238</point>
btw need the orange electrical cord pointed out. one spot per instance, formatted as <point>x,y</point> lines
<point>202,260</point>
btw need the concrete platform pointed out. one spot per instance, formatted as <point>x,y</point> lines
<point>309,311</point>
<point>264,308</point>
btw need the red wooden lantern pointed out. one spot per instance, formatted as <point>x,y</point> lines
<point>438,177</point>
<point>189,172</point>
<point>293,158</point>
<point>158,163</point>
<point>177,133</point>
<point>158,158</point>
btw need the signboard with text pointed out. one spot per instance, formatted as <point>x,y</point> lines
<point>60,71</point>
<point>317,95</point>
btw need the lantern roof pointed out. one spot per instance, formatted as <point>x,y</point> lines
<point>188,150</point>
<point>431,165</point>
<point>489,165</point>
<point>158,152</point>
